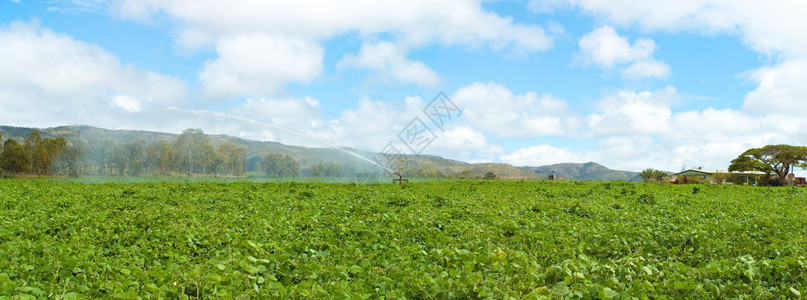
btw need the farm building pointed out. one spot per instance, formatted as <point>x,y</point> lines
<point>709,175</point>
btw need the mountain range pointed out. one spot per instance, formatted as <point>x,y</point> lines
<point>308,156</point>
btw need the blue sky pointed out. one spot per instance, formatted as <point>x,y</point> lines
<point>629,84</point>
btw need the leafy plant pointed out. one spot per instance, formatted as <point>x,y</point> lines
<point>453,239</point>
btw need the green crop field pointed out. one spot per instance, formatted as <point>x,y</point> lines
<point>455,239</point>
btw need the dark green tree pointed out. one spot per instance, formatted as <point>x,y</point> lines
<point>652,174</point>
<point>280,165</point>
<point>53,150</point>
<point>14,158</point>
<point>777,159</point>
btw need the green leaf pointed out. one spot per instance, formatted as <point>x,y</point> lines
<point>607,293</point>
<point>355,270</point>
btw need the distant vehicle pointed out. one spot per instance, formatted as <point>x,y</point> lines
<point>799,181</point>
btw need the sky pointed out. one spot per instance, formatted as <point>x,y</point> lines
<point>628,84</point>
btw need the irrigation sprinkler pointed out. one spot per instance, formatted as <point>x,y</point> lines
<point>400,179</point>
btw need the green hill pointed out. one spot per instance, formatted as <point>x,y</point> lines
<point>413,165</point>
<point>584,171</point>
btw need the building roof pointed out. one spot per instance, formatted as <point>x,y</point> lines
<point>692,172</point>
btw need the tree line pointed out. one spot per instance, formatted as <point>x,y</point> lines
<point>191,153</point>
<point>776,162</point>
<point>653,175</point>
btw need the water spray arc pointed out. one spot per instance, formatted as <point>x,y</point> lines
<point>300,134</point>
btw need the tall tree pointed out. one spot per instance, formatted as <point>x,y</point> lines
<point>14,158</point>
<point>71,160</point>
<point>53,149</point>
<point>163,158</point>
<point>652,174</point>
<point>37,153</point>
<point>101,156</point>
<point>327,169</point>
<point>219,165</point>
<point>120,159</point>
<point>192,149</point>
<point>280,165</point>
<point>231,159</point>
<point>238,161</point>
<point>778,159</point>
<point>208,156</point>
<point>137,156</point>
<point>226,159</point>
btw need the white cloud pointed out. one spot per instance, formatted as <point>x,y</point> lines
<point>629,112</point>
<point>635,130</point>
<point>782,89</point>
<point>259,64</point>
<point>58,80</point>
<point>771,113</point>
<point>605,48</point>
<point>450,22</point>
<point>771,27</point>
<point>286,112</point>
<point>460,137</point>
<point>541,155</point>
<point>626,148</point>
<point>713,125</point>
<point>413,24</point>
<point>466,144</point>
<point>646,68</point>
<point>370,126</point>
<point>390,60</point>
<point>495,109</point>
<point>128,103</point>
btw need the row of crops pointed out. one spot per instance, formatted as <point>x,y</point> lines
<point>460,239</point>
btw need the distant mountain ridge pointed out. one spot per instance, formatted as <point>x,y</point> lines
<point>584,171</point>
<point>308,156</point>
